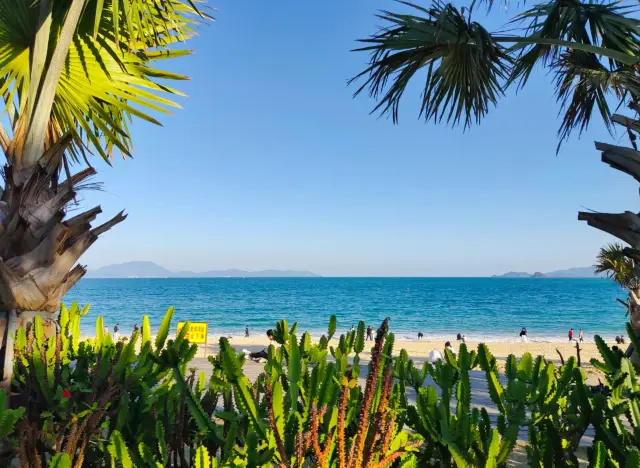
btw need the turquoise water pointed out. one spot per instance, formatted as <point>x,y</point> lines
<point>491,309</point>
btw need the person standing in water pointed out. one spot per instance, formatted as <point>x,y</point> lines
<point>581,336</point>
<point>570,335</point>
<point>523,335</point>
<point>246,331</point>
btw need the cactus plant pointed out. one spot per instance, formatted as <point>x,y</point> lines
<point>313,412</point>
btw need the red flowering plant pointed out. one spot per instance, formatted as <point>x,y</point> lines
<point>80,393</point>
<point>66,387</point>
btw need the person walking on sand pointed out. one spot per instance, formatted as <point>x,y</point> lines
<point>570,335</point>
<point>246,331</point>
<point>523,335</point>
<point>581,336</point>
<point>448,346</point>
<point>369,333</point>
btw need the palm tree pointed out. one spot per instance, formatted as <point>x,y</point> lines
<point>73,74</point>
<point>614,262</point>
<point>591,47</point>
<point>617,266</point>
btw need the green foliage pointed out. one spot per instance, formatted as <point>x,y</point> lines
<point>99,400</point>
<point>60,460</point>
<point>613,261</point>
<point>138,405</point>
<point>109,75</point>
<point>464,69</point>
<point>8,417</point>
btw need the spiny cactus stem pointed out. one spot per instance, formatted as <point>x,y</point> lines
<point>299,448</point>
<point>315,438</point>
<point>357,449</point>
<point>56,368</point>
<point>388,432</point>
<point>376,433</point>
<point>386,461</point>
<point>284,460</point>
<point>342,411</point>
<point>327,447</point>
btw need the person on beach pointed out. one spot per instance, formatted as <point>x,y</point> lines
<point>136,327</point>
<point>448,346</point>
<point>434,356</point>
<point>256,356</point>
<point>523,335</point>
<point>106,330</point>
<point>581,336</point>
<point>246,331</point>
<point>570,335</point>
<point>420,335</point>
<point>369,333</point>
<point>459,336</point>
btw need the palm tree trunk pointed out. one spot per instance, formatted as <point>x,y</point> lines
<point>625,226</point>
<point>39,248</point>
<point>634,310</point>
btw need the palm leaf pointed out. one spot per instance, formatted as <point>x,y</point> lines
<point>592,47</point>
<point>613,261</point>
<point>583,83</point>
<point>108,77</point>
<point>464,67</point>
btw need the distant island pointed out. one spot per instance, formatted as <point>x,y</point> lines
<point>582,272</point>
<point>153,270</point>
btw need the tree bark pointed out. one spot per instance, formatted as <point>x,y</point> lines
<point>39,248</point>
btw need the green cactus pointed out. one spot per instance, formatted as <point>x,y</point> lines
<point>100,403</point>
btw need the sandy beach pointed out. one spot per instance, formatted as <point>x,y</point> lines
<point>419,350</point>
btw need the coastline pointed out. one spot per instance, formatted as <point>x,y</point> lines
<point>419,350</point>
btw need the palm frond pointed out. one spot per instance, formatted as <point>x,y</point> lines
<point>597,23</point>
<point>150,23</point>
<point>464,67</point>
<point>583,83</point>
<point>109,76</point>
<point>617,266</point>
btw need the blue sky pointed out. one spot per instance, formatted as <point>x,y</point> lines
<point>272,164</point>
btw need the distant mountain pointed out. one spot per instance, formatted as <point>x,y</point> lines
<point>514,274</point>
<point>582,272</point>
<point>152,270</point>
<point>131,270</point>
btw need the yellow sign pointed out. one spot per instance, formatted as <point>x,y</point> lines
<point>197,332</point>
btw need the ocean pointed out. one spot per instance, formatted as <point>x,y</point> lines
<point>487,309</point>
